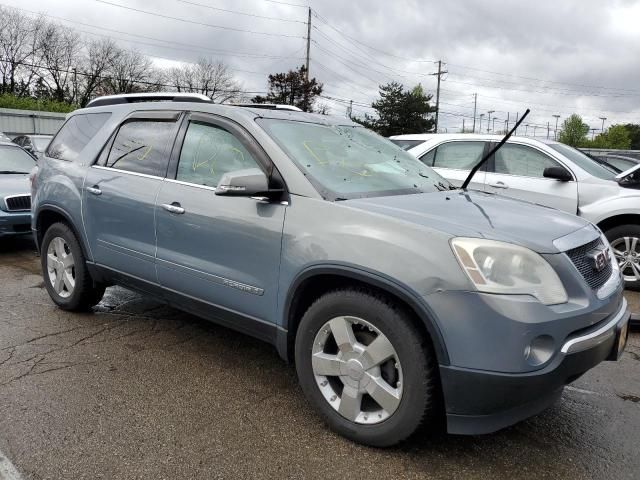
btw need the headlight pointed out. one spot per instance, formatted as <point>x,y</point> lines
<point>499,267</point>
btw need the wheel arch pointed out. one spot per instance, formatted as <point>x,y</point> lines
<point>617,220</point>
<point>47,215</point>
<point>319,279</point>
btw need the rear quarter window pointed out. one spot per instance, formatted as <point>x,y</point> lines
<point>75,134</point>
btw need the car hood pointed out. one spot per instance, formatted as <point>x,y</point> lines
<point>477,214</point>
<point>13,184</point>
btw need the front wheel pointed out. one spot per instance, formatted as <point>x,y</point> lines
<point>365,367</point>
<point>65,272</point>
<point>625,241</point>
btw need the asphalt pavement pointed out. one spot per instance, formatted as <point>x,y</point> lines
<point>138,390</point>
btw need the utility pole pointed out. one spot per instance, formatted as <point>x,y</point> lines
<point>535,127</point>
<point>506,126</point>
<point>603,119</point>
<point>548,130</point>
<point>480,128</point>
<point>463,125</point>
<point>75,86</point>
<point>350,109</point>
<point>494,125</point>
<point>475,105</point>
<point>439,75</point>
<point>489,120</point>
<point>555,134</point>
<point>308,44</point>
<point>516,131</point>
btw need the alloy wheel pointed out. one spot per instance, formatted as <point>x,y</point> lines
<point>61,267</point>
<point>357,370</point>
<point>627,253</point>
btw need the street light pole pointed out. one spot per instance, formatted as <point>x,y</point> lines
<point>489,120</point>
<point>481,117</point>
<point>603,119</point>
<point>555,132</point>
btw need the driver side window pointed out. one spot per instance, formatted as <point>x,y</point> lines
<point>208,152</point>
<point>523,161</point>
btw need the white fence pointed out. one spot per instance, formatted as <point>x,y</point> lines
<point>23,122</point>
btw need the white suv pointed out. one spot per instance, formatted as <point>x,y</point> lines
<point>547,173</point>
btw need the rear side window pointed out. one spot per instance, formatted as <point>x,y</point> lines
<point>458,155</point>
<point>406,144</point>
<point>209,152</point>
<point>142,146</point>
<point>75,134</point>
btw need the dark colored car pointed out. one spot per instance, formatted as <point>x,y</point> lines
<point>15,196</point>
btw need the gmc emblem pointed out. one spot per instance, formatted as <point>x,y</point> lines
<point>599,259</point>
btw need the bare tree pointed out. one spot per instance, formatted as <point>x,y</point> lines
<point>99,56</point>
<point>18,44</point>
<point>59,50</point>
<point>208,77</point>
<point>129,72</point>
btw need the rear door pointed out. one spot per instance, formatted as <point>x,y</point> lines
<point>120,191</point>
<point>221,250</point>
<point>516,171</point>
<point>455,159</point>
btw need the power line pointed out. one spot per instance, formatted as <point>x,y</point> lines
<point>193,22</point>
<point>199,47</point>
<point>240,13</point>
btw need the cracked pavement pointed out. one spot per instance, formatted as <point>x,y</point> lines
<point>136,389</point>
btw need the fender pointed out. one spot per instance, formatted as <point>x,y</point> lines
<point>419,306</point>
<point>55,208</point>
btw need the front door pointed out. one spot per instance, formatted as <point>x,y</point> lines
<point>120,192</point>
<point>224,251</point>
<point>516,171</point>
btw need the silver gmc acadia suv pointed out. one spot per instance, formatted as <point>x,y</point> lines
<point>399,297</point>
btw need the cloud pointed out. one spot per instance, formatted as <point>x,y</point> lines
<point>554,57</point>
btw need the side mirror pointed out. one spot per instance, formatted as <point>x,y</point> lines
<point>557,173</point>
<point>243,183</point>
<point>28,148</point>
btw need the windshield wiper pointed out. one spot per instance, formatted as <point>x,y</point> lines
<point>473,171</point>
<point>12,171</point>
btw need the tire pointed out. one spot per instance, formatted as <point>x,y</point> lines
<point>60,245</point>
<point>624,238</point>
<point>412,372</point>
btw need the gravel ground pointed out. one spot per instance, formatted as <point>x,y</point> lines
<point>138,390</point>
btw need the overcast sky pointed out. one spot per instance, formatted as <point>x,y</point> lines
<point>555,57</point>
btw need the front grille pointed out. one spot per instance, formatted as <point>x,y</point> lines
<point>580,258</point>
<point>18,203</point>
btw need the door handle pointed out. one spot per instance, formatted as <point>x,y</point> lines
<point>95,190</point>
<point>173,208</point>
<point>499,185</point>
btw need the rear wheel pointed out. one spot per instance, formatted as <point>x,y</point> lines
<point>65,272</point>
<point>625,241</point>
<point>365,367</point>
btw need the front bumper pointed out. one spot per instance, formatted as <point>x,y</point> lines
<point>14,223</point>
<point>479,402</point>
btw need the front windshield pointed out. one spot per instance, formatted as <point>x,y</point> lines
<point>41,143</point>
<point>15,160</point>
<point>345,162</point>
<point>589,165</point>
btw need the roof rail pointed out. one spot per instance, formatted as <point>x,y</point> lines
<point>267,106</point>
<point>148,97</point>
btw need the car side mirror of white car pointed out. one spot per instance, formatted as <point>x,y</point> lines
<point>557,173</point>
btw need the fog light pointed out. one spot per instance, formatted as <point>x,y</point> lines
<point>540,350</point>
